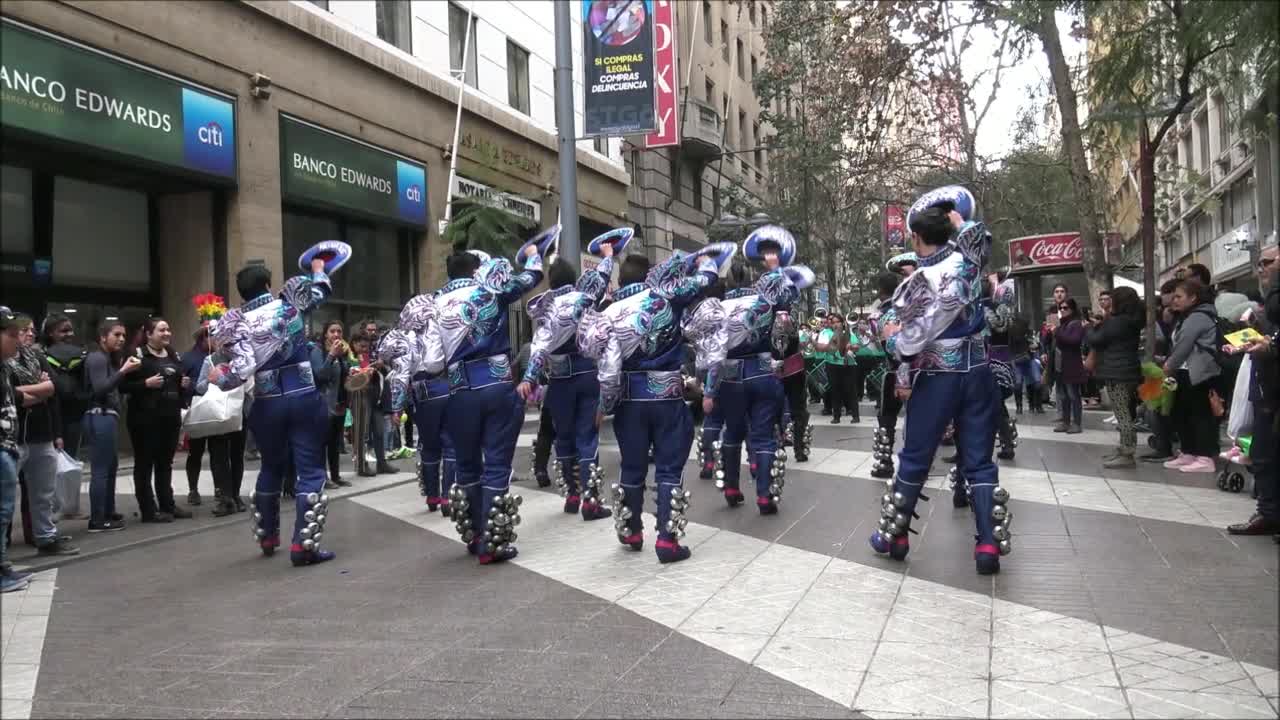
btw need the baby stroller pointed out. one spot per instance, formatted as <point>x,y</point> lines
<point>1239,429</point>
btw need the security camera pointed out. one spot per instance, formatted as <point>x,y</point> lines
<point>260,86</point>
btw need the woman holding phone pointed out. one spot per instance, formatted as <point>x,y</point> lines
<point>105,369</point>
<point>156,394</point>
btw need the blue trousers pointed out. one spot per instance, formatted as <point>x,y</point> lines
<point>666,426</point>
<point>101,431</point>
<point>435,451</point>
<point>8,501</point>
<point>971,400</point>
<point>484,425</point>
<point>751,410</point>
<point>289,428</point>
<point>573,402</point>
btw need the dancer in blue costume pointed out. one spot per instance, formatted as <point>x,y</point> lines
<point>469,342</point>
<point>266,341</point>
<point>944,375</point>
<point>638,342</point>
<point>573,391</point>
<point>404,348</point>
<point>758,328</point>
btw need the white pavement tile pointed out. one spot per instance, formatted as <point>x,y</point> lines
<point>931,696</point>
<point>15,709</point>
<point>1011,699</point>
<point>1182,704</point>
<point>832,668</point>
<point>905,646</point>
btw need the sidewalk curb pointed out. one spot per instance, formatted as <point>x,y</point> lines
<point>65,560</point>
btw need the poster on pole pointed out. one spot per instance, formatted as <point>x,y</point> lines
<point>617,47</point>
<point>895,226</point>
<point>666,90</point>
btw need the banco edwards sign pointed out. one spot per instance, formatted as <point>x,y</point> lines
<point>319,166</point>
<point>59,89</point>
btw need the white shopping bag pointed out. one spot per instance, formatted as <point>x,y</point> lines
<point>217,412</point>
<point>67,482</point>
<point>1240,421</point>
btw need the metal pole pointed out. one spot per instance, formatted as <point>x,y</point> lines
<point>570,247</point>
<point>457,120</point>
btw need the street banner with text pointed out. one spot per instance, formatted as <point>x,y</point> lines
<point>617,47</point>
<point>666,95</point>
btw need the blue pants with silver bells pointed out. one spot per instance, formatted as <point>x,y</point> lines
<point>289,427</point>
<point>573,402</point>
<point>712,425</point>
<point>751,411</point>
<point>435,451</point>
<point>970,399</point>
<point>666,426</point>
<point>484,425</point>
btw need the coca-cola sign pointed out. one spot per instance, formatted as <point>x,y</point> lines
<point>1036,252</point>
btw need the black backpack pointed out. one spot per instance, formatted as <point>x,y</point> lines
<point>67,371</point>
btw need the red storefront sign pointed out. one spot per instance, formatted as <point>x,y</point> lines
<point>895,226</point>
<point>665,88</point>
<point>1037,252</point>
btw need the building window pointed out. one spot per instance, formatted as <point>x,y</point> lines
<point>635,168</point>
<point>715,203</point>
<point>711,93</point>
<point>1202,130</point>
<point>673,173</point>
<point>757,151</point>
<point>706,22</point>
<point>764,17</point>
<point>742,73</point>
<point>395,24</point>
<point>322,4</point>
<point>751,11</point>
<point>724,40</point>
<point>696,178</point>
<point>1237,205</point>
<point>755,67</point>
<point>1200,229</point>
<point>458,31</point>
<point>601,144</point>
<point>88,217</point>
<point>742,130</point>
<point>17,214</point>
<point>517,77</point>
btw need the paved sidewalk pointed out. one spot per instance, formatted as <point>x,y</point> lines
<point>1123,598</point>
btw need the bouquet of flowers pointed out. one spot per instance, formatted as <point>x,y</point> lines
<point>209,307</point>
<point>1156,389</point>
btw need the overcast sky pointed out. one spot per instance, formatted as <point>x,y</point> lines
<point>1017,84</point>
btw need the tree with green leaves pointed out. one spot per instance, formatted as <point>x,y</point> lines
<point>481,226</point>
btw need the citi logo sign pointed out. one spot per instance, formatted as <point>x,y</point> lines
<point>413,193</point>
<point>210,134</point>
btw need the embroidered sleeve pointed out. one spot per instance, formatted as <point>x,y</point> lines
<point>306,292</point>
<point>672,280</point>
<point>610,373</point>
<point>924,312</point>
<point>433,360</point>
<point>776,289</point>
<point>498,277</point>
<point>594,283</point>
<point>396,349</point>
<point>593,333</point>
<point>237,343</point>
<point>556,326</point>
<point>417,313</point>
<point>705,329</point>
<point>974,243</point>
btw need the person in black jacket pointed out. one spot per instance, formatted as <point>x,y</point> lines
<point>67,369</point>
<point>156,393</point>
<point>1264,394</point>
<point>1115,337</point>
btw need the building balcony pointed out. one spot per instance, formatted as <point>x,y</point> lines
<point>703,131</point>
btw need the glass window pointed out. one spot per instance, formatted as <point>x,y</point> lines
<point>517,77</point>
<point>724,40</point>
<point>1224,126</point>
<point>395,23</point>
<point>741,72</point>
<point>695,179</point>
<point>1202,130</point>
<point>457,32</point>
<point>601,145</point>
<point>764,17</point>
<point>17,234</point>
<point>88,219</point>
<point>706,22</point>
<point>755,67</point>
<point>375,277</point>
<point>742,130</point>
<point>322,4</point>
<point>751,11</point>
<point>711,92</point>
<point>757,152</point>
